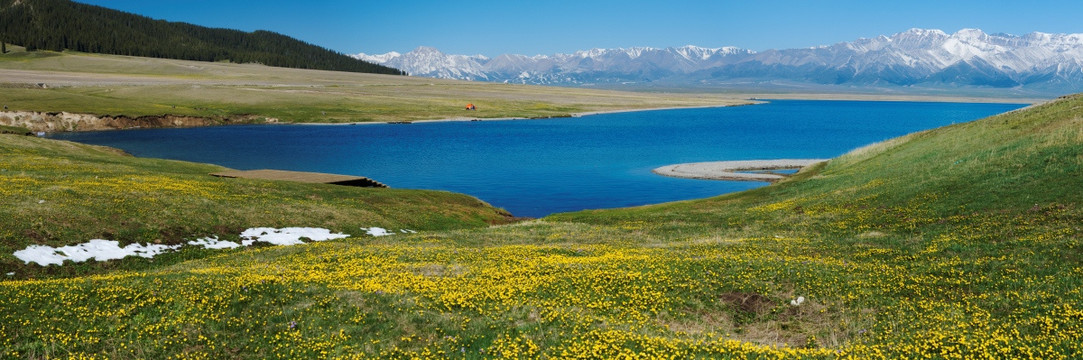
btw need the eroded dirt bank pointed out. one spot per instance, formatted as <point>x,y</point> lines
<point>65,121</point>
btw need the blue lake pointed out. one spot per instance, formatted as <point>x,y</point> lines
<point>538,167</point>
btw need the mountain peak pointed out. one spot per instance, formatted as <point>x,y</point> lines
<point>924,32</point>
<point>426,50</point>
<point>970,35</point>
<point>377,58</point>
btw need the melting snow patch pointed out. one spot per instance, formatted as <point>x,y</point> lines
<point>287,236</point>
<point>214,243</point>
<point>102,250</point>
<point>377,231</point>
<point>96,249</point>
<point>800,300</point>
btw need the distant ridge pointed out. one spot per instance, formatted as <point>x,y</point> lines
<point>915,60</point>
<point>65,25</point>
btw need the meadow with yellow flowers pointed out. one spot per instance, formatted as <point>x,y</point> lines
<point>959,242</point>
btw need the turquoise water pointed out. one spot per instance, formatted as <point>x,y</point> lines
<point>538,167</point>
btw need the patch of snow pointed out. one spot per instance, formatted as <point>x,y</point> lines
<point>41,254</point>
<point>102,250</point>
<point>287,236</point>
<point>214,243</point>
<point>41,201</point>
<point>377,231</point>
<point>800,300</point>
<point>10,273</point>
<point>96,249</point>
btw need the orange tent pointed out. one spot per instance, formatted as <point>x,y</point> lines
<point>470,107</point>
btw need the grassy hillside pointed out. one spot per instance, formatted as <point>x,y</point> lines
<point>59,25</point>
<point>134,86</point>
<point>59,193</point>
<point>960,242</point>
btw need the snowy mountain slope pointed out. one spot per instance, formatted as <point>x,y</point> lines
<point>430,62</point>
<point>1048,63</point>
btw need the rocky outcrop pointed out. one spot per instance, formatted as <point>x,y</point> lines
<point>65,121</point>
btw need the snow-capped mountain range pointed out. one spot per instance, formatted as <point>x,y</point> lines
<point>1036,63</point>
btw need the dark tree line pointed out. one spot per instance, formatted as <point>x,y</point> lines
<point>64,25</point>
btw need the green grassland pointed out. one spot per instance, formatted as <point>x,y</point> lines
<point>134,86</point>
<point>958,242</point>
<point>17,130</point>
<point>59,193</point>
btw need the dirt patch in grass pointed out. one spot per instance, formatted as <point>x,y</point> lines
<point>748,302</point>
<point>757,318</point>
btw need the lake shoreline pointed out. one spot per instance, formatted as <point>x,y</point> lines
<point>894,98</point>
<point>60,122</point>
<point>572,115</point>
<point>750,99</point>
<point>536,168</point>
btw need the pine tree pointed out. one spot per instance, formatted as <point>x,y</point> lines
<point>3,47</point>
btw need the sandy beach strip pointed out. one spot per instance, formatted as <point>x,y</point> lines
<point>730,170</point>
<point>589,113</point>
<point>572,115</point>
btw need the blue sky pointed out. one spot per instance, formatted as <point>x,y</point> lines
<point>546,27</point>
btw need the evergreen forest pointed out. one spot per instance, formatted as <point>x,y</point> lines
<point>60,25</point>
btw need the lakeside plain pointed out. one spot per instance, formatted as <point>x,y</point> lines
<point>958,242</point>
<point>135,87</point>
<point>98,89</point>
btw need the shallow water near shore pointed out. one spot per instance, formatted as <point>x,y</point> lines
<point>538,167</point>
